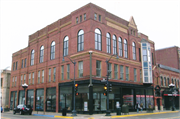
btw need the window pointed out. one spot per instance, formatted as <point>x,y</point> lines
<point>108,43</point>
<point>84,16</point>
<point>134,50</point>
<point>161,81</point>
<point>54,74</point>
<point>109,70</point>
<point>52,50</point>
<point>13,66</point>
<point>80,18</point>
<point>66,39</point>
<point>81,40</point>
<point>32,57</point>
<point>125,49</point>
<point>41,54</point>
<point>172,81</point>
<point>24,78</point>
<point>121,72</point>
<point>141,75</point>
<point>127,73</point>
<point>99,17</point>
<point>140,54</point>
<point>135,74</point>
<point>33,78</point>
<point>76,20</point>
<point>49,74</point>
<point>38,77</point>
<point>164,81</point>
<point>145,75</point>
<point>25,60</point>
<point>80,69</point>
<point>22,63</point>
<point>16,65</point>
<point>168,81</point>
<point>152,59</point>
<point>97,39</point>
<point>42,76</point>
<point>68,71</point>
<point>62,72</point>
<point>12,82</point>
<point>95,16</point>
<point>29,79</point>
<point>120,47</point>
<point>15,80</point>
<point>114,45</point>
<point>115,71</point>
<point>98,68</point>
<point>21,80</point>
<point>144,54</point>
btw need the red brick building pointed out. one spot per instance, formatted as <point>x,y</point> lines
<point>89,36</point>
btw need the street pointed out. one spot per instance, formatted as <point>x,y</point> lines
<point>156,115</point>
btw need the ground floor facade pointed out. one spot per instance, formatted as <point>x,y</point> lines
<point>90,99</point>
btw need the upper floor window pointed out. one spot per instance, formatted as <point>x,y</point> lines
<point>115,71</point>
<point>68,71</point>
<point>80,18</point>
<point>114,45</point>
<point>120,47</point>
<point>52,50</point>
<point>66,39</point>
<point>125,49</point>
<point>32,57</point>
<point>81,40</point>
<point>16,65</point>
<point>76,20</point>
<point>108,43</point>
<point>134,50</point>
<point>109,70</point>
<point>168,81</point>
<point>84,16</point>
<point>41,54</point>
<point>25,60</point>
<point>42,76</point>
<point>13,66</point>
<point>121,72</point>
<point>54,74</point>
<point>164,81</point>
<point>127,73</point>
<point>95,16</point>
<point>161,81</point>
<point>135,74</point>
<point>80,69</point>
<point>22,63</point>
<point>98,68</point>
<point>97,39</point>
<point>99,17</point>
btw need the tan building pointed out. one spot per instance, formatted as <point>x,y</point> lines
<point>5,83</point>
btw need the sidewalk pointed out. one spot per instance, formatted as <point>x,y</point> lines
<point>94,116</point>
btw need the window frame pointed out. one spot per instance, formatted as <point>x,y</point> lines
<point>114,45</point>
<point>134,50</point>
<point>125,48</point>
<point>53,46</point>
<point>41,55</point>
<point>98,39</point>
<point>32,57</point>
<point>80,41</point>
<point>65,45</point>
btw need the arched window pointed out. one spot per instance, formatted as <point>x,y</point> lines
<point>97,39</point>
<point>32,57</point>
<point>120,47</point>
<point>125,49</point>
<point>108,43</point>
<point>66,39</point>
<point>134,50</point>
<point>41,54</point>
<point>161,81</point>
<point>114,45</point>
<point>81,40</point>
<point>164,81</point>
<point>52,50</point>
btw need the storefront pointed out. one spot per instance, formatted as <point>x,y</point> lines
<point>39,100</point>
<point>30,97</point>
<point>51,99</point>
<point>13,100</point>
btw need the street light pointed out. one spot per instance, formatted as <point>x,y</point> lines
<point>107,82</point>
<point>74,110</point>
<point>171,86</point>
<point>24,86</point>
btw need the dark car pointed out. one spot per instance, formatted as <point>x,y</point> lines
<point>23,109</point>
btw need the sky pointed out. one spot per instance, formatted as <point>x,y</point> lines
<point>158,19</point>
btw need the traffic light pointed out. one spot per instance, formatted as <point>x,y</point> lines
<point>77,93</point>
<point>76,88</point>
<point>110,87</point>
<point>105,90</point>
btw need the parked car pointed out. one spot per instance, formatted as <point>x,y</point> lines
<point>23,109</point>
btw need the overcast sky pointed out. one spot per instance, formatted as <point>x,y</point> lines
<point>158,19</point>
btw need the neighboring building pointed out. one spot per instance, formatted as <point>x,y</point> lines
<point>169,57</point>
<point>89,35</point>
<point>5,84</point>
<point>167,72</point>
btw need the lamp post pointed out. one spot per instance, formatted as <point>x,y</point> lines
<point>171,86</point>
<point>74,110</point>
<point>24,86</point>
<point>107,82</point>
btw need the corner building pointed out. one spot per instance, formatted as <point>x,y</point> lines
<point>89,36</point>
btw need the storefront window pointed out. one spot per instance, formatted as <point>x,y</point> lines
<point>149,98</point>
<point>128,97</point>
<point>13,99</point>
<point>65,99</point>
<point>40,99</point>
<point>30,97</point>
<point>51,99</point>
<point>21,97</point>
<point>140,97</point>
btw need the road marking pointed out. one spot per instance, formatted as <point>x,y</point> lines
<point>173,117</point>
<point>63,117</point>
<point>144,114</point>
<point>5,118</point>
<point>91,118</point>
